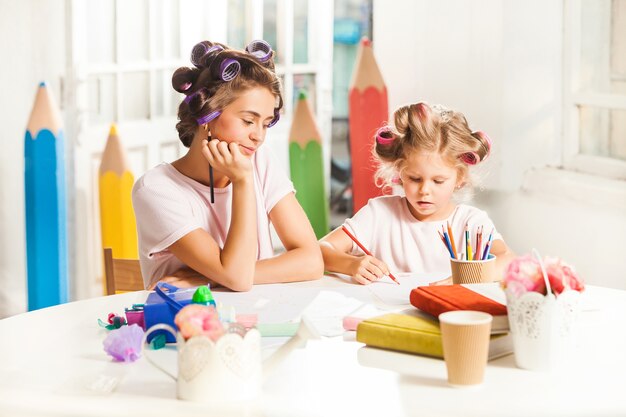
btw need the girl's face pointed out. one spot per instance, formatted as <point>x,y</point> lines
<point>245,120</point>
<point>429,183</point>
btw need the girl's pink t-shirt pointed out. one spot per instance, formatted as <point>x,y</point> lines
<point>168,205</point>
<point>386,227</point>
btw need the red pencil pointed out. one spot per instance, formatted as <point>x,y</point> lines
<point>354,239</point>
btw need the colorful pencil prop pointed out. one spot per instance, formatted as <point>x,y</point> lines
<point>368,111</point>
<point>307,166</point>
<point>46,206</point>
<point>117,218</point>
<point>355,240</point>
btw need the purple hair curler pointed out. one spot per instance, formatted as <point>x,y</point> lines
<point>229,69</point>
<point>192,95</point>
<point>185,86</point>
<point>384,136</point>
<point>260,49</point>
<point>198,51</point>
<point>214,48</point>
<point>206,119</point>
<point>275,119</point>
<point>470,158</point>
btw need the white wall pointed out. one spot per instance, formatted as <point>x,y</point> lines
<point>33,50</point>
<point>499,62</point>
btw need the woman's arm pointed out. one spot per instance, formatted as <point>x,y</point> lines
<point>336,247</point>
<point>302,260</point>
<point>233,266</point>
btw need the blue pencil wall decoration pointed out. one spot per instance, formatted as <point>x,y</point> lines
<point>44,179</point>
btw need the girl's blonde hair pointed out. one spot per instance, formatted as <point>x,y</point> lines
<point>420,127</point>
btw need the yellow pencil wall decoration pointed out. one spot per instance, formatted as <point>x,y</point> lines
<point>117,218</point>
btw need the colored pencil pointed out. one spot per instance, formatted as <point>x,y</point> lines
<point>355,240</point>
<point>479,238</point>
<point>488,246</point>
<point>468,243</point>
<point>307,165</point>
<point>452,243</point>
<point>46,206</point>
<point>447,241</point>
<point>368,111</point>
<point>117,218</point>
<point>211,184</point>
<point>443,240</point>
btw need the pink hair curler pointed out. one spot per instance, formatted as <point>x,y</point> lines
<point>470,158</point>
<point>485,138</point>
<point>384,136</point>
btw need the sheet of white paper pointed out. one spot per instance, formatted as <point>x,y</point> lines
<point>273,303</point>
<point>327,310</point>
<point>393,294</point>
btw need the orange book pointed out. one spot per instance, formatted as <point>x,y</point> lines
<point>368,111</point>
<point>437,299</point>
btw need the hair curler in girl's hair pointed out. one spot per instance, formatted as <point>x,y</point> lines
<point>275,119</point>
<point>206,119</point>
<point>185,86</point>
<point>422,111</point>
<point>192,95</point>
<point>485,140</point>
<point>384,136</point>
<point>470,158</point>
<point>229,69</point>
<point>199,50</point>
<point>260,49</point>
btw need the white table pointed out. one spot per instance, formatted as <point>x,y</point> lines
<point>53,364</point>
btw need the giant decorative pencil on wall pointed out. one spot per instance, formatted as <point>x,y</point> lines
<point>46,223</point>
<point>368,110</point>
<point>307,166</point>
<point>117,218</point>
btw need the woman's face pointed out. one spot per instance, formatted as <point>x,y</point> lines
<point>429,183</point>
<point>245,120</point>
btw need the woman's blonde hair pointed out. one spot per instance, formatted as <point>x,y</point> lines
<point>420,127</point>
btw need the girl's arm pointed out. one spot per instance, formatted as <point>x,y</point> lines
<point>302,260</point>
<point>504,256</point>
<point>336,247</point>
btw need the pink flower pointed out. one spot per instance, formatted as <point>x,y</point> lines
<point>197,319</point>
<point>524,274</point>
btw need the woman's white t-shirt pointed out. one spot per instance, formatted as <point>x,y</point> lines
<point>168,205</point>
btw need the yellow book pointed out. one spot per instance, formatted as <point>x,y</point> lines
<point>416,334</point>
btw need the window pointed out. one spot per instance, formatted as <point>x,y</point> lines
<point>595,87</point>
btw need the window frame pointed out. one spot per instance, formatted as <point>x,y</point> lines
<point>573,160</point>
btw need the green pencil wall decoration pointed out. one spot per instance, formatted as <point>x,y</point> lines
<point>307,166</point>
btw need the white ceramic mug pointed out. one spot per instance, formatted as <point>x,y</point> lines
<point>208,372</point>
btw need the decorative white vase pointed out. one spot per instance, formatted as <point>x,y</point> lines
<point>543,328</point>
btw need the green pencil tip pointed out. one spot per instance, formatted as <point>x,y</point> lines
<point>302,94</point>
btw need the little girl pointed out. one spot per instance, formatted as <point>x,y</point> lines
<point>205,217</point>
<point>428,150</point>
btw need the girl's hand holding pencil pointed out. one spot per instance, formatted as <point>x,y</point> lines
<point>367,268</point>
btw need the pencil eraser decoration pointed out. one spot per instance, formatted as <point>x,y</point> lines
<point>350,323</point>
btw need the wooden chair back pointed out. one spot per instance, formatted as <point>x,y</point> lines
<point>121,274</point>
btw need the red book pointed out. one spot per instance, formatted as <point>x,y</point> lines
<point>437,299</point>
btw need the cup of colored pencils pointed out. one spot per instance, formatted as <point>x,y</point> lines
<point>473,263</point>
